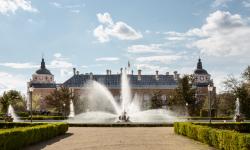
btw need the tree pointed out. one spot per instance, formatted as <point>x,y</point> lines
<point>184,95</point>
<point>240,89</point>
<point>14,98</point>
<point>246,74</point>
<point>226,104</point>
<point>59,100</point>
<point>156,101</point>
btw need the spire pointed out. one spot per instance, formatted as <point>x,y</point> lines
<point>199,64</point>
<point>43,64</point>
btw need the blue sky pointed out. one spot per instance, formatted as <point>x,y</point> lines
<point>95,35</point>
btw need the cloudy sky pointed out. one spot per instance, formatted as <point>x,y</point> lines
<point>95,35</point>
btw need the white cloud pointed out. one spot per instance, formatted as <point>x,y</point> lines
<point>152,48</point>
<point>246,3</point>
<point>165,59</point>
<point>19,65</point>
<point>57,5</point>
<point>222,3</point>
<point>60,62</point>
<point>109,29</point>
<point>223,34</point>
<point>9,81</point>
<point>107,59</point>
<point>75,11</point>
<point>105,18</point>
<point>151,68</point>
<point>11,6</point>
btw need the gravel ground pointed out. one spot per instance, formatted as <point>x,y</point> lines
<point>141,138</point>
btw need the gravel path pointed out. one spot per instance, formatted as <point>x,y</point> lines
<point>91,138</point>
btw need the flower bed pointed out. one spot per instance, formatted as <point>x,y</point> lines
<point>219,138</point>
<point>17,135</point>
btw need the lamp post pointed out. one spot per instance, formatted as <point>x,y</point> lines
<point>31,89</point>
<point>210,89</point>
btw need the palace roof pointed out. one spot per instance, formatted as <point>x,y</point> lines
<point>114,81</point>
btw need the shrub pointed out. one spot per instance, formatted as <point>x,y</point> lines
<point>243,127</point>
<point>221,139</point>
<point>26,134</point>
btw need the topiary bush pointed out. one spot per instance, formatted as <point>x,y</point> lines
<point>219,138</point>
<point>23,134</point>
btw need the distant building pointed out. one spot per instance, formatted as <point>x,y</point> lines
<point>43,84</point>
<point>201,81</point>
<point>143,85</point>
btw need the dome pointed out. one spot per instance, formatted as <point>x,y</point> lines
<point>199,69</point>
<point>43,69</point>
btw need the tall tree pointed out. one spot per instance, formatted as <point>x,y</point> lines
<point>59,100</point>
<point>246,74</point>
<point>185,95</point>
<point>14,98</point>
<point>226,104</point>
<point>240,88</point>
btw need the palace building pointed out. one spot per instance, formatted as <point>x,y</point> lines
<point>143,85</point>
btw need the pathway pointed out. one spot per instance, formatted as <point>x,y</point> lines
<point>142,138</point>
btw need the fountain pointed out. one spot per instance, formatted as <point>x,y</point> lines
<point>72,111</point>
<point>237,116</point>
<point>102,107</point>
<point>12,114</point>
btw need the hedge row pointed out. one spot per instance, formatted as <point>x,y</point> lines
<point>7,125</point>
<point>41,117</point>
<point>243,127</point>
<point>206,118</point>
<point>16,138</point>
<point>221,139</point>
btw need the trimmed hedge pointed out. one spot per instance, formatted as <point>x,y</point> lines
<point>16,138</point>
<point>221,139</point>
<point>206,118</point>
<point>242,127</point>
<point>41,117</point>
<point>8,125</point>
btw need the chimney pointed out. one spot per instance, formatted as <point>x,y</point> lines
<point>167,73</point>
<point>77,72</point>
<point>91,76</point>
<point>156,75</point>
<point>74,71</point>
<point>139,75</point>
<point>107,71</point>
<point>110,72</point>
<point>132,72</point>
<point>175,75</point>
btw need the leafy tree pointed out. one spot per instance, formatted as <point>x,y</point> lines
<point>156,101</point>
<point>184,95</point>
<point>226,104</point>
<point>59,100</point>
<point>241,90</point>
<point>246,74</point>
<point>14,98</point>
